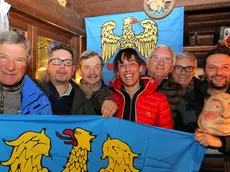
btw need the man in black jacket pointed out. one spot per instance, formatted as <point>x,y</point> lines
<point>64,94</point>
<point>217,72</point>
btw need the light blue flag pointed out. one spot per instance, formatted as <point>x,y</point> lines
<point>108,34</point>
<point>91,143</point>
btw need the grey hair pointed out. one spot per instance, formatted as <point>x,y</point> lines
<point>184,55</point>
<point>89,54</point>
<point>12,37</point>
<point>163,46</point>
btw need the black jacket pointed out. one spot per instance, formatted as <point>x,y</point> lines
<point>80,105</point>
<point>226,150</point>
<point>190,107</point>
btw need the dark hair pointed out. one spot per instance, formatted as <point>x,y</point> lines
<point>218,50</point>
<point>127,53</point>
<point>62,47</point>
<point>87,55</point>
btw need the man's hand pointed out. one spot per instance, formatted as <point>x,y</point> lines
<point>109,108</point>
<point>205,139</point>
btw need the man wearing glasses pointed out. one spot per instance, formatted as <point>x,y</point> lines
<point>184,71</point>
<point>64,94</point>
<point>217,73</point>
<point>160,64</point>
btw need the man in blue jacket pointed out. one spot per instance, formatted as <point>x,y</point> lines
<point>18,93</point>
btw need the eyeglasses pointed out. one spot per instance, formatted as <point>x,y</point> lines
<point>156,58</point>
<point>57,61</point>
<point>179,68</point>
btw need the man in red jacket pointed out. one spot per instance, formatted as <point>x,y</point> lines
<point>135,95</point>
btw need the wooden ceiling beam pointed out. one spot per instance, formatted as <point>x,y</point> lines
<point>207,25</point>
<point>89,8</point>
<point>52,13</point>
<point>193,18</point>
<point>195,5</point>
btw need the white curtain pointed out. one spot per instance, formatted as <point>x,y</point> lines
<point>4,21</point>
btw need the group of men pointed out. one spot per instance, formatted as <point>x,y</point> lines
<point>168,86</point>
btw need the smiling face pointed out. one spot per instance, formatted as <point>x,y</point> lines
<point>91,70</point>
<point>60,74</point>
<point>160,64</point>
<point>215,116</point>
<point>13,63</point>
<point>217,71</point>
<point>180,75</point>
<point>129,72</point>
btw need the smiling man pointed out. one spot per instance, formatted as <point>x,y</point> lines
<point>136,96</point>
<point>64,94</point>
<point>90,66</point>
<point>184,71</point>
<point>160,63</point>
<point>217,72</point>
<point>18,93</point>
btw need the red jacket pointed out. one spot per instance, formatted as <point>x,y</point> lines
<point>151,107</point>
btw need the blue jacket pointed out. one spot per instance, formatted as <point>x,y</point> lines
<point>34,101</point>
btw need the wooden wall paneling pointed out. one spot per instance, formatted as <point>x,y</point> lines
<point>70,4</point>
<point>54,34</point>
<point>49,31</point>
<point>208,25</point>
<point>75,43</point>
<point>209,15</point>
<point>186,32</point>
<point>198,48</point>
<point>88,8</point>
<point>205,39</point>
<point>17,21</point>
<point>32,37</point>
<point>50,12</point>
<point>202,5</point>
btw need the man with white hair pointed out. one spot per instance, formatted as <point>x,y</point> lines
<point>160,63</point>
<point>184,71</point>
<point>18,93</point>
<point>217,73</point>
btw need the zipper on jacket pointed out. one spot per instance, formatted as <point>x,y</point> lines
<point>130,110</point>
<point>2,100</point>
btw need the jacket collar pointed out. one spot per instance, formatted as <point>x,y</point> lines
<point>149,84</point>
<point>30,92</point>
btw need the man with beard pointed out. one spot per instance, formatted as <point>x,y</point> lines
<point>90,68</point>
<point>64,94</point>
<point>217,73</point>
